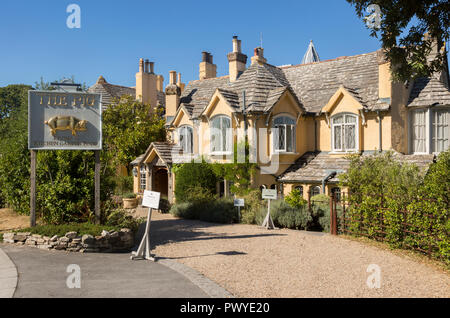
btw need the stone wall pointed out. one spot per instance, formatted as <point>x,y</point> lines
<point>106,242</point>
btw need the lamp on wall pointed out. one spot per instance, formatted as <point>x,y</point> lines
<point>135,171</point>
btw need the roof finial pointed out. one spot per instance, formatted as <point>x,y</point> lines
<point>311,54</point>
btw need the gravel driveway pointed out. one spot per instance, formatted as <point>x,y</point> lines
<point>250,261</point>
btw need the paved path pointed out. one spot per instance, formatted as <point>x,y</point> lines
<point>43,274</point>
<point>8,276</point>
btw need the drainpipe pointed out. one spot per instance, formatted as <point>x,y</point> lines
<point>324,180</point>
<point>380,126</point>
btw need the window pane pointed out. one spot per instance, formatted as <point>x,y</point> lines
<point>441,130</point>
<point>350,119</point>
<point>338,120</point>
<point>284,120</point>
<point>350,137</point>
<point>419,131</point>
<point>281,138</point>
<point>338,137</point>
<point>289,138</point>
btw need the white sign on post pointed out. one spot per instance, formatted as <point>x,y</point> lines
<point>269,194</point>
<point>150,201</point>
<point>239,202</point>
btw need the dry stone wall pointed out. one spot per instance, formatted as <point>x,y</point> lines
<point>71,242</point>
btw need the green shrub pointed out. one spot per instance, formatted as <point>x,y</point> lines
<point>61,230</point>
<point>284,215</point>
<point>218,211</point>
<point>129,195</point>
<point>198,194</point>
<point>124,184</point>
<point>251,213</point>
<point>386,194</point>
<point>191,175</point>
<point>295,199</point>
<point>119,218</point>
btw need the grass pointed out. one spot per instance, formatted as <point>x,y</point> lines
<point>61,230</point>
<point>1,237</point>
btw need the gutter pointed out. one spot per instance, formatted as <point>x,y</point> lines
<point>380,126</point>
<point>330,175</point>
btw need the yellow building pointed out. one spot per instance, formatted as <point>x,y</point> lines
<point>301,120</point>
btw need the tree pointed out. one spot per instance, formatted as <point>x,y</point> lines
<point>403,24</point>
<point>129,127</point>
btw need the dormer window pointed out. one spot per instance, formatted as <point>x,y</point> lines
<point>284,134</point>
<point>221,135</point>
<point>344,133</point>
<point>185,140</point>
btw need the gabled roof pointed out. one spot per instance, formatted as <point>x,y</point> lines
<point>110,91</point>
<point>198,93</point>
<point>164,150</point>
<point>315,83</point>
<point>311,84</point>
<point>429,92</point>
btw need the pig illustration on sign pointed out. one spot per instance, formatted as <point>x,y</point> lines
<point>66,123</point>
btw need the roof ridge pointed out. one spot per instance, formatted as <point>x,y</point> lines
<point>326,61</point>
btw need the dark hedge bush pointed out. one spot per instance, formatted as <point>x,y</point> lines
<point>217,211</point>
<point>286,216</point>
<point>191,175</point>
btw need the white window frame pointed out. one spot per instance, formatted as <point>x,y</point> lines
<point>429,129</point>
<point>190,148</point>
<point>275,134</point>
<point>342,150</point>
<point>229,136</point>
<point>433,128</point>
<point>142,177</point>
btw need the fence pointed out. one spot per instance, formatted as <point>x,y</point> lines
<point>394,226</point>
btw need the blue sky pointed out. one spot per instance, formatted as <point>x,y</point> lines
<point>115,34</point>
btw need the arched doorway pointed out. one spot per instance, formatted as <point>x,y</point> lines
<point>161,182</point>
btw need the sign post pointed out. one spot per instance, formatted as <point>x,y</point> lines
<point>151,201</point>
<point>64,119</point>
<point>269,195</point>
<point>239,203</point>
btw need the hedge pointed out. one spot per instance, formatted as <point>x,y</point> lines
<point>395,202</point>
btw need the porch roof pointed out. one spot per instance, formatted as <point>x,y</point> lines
<point>313,167</point>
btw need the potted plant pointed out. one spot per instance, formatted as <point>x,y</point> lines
<point>129,201</point>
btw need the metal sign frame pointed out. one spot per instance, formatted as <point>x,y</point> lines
<point>84,109</point>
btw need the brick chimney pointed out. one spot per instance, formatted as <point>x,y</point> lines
<point>236,60</point>
<point>173,94</point>
<point>259,56</point>
<point>207,68</point>
<point>146,83</point>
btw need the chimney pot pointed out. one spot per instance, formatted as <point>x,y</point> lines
<point>236,44</point>
<point>141,65</point>
<point>146,68</point>
<point>172,77</point>
<point>152,67</point>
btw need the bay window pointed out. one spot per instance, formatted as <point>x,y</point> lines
<point>284,134</point>
<point>344,133</point>
<point>429,130</point>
